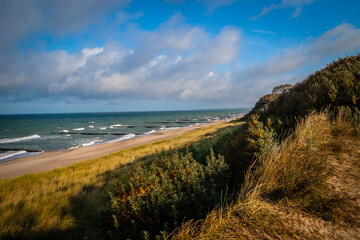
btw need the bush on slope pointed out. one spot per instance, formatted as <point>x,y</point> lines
<point>337,85</point>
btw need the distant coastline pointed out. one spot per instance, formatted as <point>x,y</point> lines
<point>24,135</point>
<point>48,160</point>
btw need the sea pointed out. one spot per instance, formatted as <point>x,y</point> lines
<point>28,134</point>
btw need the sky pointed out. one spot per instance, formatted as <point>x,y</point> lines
<point>148,55</point>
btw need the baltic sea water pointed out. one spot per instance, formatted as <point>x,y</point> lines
<point>26,134</point>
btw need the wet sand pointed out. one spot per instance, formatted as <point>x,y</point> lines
<point>54,159</point>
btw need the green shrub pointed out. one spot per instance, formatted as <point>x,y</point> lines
<point>243,146</point>
<point>259,135</point>
<point>337,85</point>
<point>159,196</point>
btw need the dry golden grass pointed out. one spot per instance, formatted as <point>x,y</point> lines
<point>305,188</point>
<point>296,163</point>
<point>54,201</point>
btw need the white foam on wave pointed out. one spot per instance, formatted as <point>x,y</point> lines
<point>125,137</point>
<point>79,129</point>
<point>10,140</point>
<point>169,128</point>
<point>114,126</point>
<point>91,126</point>
<point>150,132</point>
<point>65,131</point>
<point>10,154</point>
<point>87,144</point>
<point>195,124</point>
<point>102,128</point>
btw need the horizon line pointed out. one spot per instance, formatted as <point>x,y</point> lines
<point>135,111</point>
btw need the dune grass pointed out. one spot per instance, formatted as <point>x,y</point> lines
<point>298,189</point>
<point>304,183</point>
<point>70,199</point>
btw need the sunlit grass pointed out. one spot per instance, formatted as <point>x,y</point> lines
<point>59,200</point>
<point>288,193</point>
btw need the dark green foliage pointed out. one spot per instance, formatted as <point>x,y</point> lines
<point>263,103</point>
<point>216,141</point>
<point>283,88</point>
<point>165,189</point>
<point>232,143</point>
<point>336,89</point>
<point>244,147</point>
<point>334,86</point>
<point>158,197</point>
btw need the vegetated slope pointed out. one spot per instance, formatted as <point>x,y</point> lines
<point>338,84</point>
<point>151,198</point>
<point>141,208</point>
<point>66,203</point>
<point>304,181</point>
<point>307,187</point>
<point>285,193</point>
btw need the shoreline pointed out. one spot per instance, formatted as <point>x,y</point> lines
<point>49,160</point>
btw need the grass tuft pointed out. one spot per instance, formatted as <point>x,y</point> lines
<point>290,191</point>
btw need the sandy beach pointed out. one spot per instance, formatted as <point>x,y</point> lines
<point>54,159</point>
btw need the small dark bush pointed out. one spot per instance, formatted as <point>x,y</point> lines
<point>158,197</point>
<point>337,85</point>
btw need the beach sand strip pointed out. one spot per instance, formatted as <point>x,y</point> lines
<point>47,161</point>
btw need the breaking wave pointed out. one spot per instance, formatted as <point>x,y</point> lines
<point>11,140</point>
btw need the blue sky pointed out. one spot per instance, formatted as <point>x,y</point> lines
<point>122,55</point>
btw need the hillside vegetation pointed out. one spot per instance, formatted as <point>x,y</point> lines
<point>288,170</point>
<point>68,203</point>
<point>287,159</point>
<point>337,85</point>
<point>305,177</point>
<point>307,187</point>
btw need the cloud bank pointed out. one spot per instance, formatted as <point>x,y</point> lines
<point>174,62</point>
<point>20,19</point>
<point>171,63</point>
<point>282,68</point>
<point>168,63</point>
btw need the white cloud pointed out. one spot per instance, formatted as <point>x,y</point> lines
<point>297,4</point>
<point>172,37</point>
<point>170,63</point>
<point>186,94</point>
<point>159,69</point>
<point>282,68</point>
<point>178,59</point>
<point>157,60</point>
<point>88,52</point>
<point>19,19</point>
